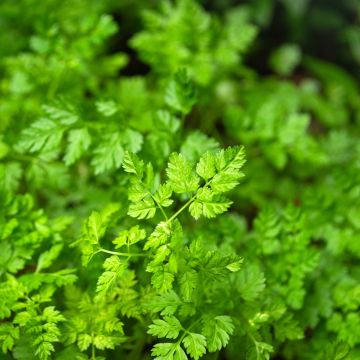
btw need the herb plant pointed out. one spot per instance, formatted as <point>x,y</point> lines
<point>163,196</point>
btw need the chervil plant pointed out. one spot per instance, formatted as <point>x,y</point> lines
<point>175,184</point>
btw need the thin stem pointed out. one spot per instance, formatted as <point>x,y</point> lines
<point>93,357</point>
<point>182,209</point>
<point>181,338</point>
<point>193,324</point>
<point>256,345</point>
<point>163,212</point>
<point>122,253</point>
<point>187,331</point>
<point>187,203</point>
<point>159,206</point>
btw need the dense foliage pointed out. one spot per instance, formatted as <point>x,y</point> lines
<point>178,181</point>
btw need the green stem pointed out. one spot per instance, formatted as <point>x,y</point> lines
<point>93,357</point>
<point>182,209</point>
<point>187,203</point>
<point>122,253</point>
<point>187,331</point>
<point>163,212</point>
<point>256,345</point>
<point>159,206</point>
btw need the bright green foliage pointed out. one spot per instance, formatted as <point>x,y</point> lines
<point>129,237</point>
<point>93,230</point>
<point>183,34</point>
<point>92,323</point>
<point>24,297</point>
<point>46,134</point>
<point>168,328</point>
<point>169,266</point>
<point>195,345</point>
<point>175,185</point>
<point>181,177</point>
<point>180,93</point>
<point>114,269</point>
<point>217,331</point>
<point>221,173</point>
<point>42,328</point>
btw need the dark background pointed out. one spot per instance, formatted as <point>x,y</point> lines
<point>319,27</point>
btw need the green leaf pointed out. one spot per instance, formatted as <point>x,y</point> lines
<point>228,164</point>
<point>165,232</point>
<point>206,166</point>
<point>132,164</point>
<point>263,350</point>
<point>166,304</point>
<point>8,335</point>
<point>159,236</point>
<point>84,341</point>
<point>225,181</point>
<point>208,204</point>
<point>216,266</point>
<point>44,134</point>
<point>144,209</point>
<point>44,350</point>
<point>113,263</point>
<point>161,254</point>
<point>79,141</point>
<point>337,351</point>
<point>42,327</point>
<point>217,331</point>
<point>180,93</point>
<point>98,222</point>
<point>107,108</point>
<point>132,140</point>
<point>109,154</point>
<point>288,328</point>
<point>137,191</point>
<point>163,195</point>
<point>180,174</point>
<point>169,327</point>
<point>250,283</point>
<point>129,237</point>
<point>347,327</point>
<point>195,345</point>
<point>162,280</point>
<point>108,279</point>
<point>179,354</point>
<point>235,266</point>
<point>10,175</point>
<point>196,144</point>
<point>48,257</point>
<point>103,342</point>
<point>188,283</point>
<point>168,351</point>
<point>233,158</point>
<point>62,113</point>
<point>94,229</point>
